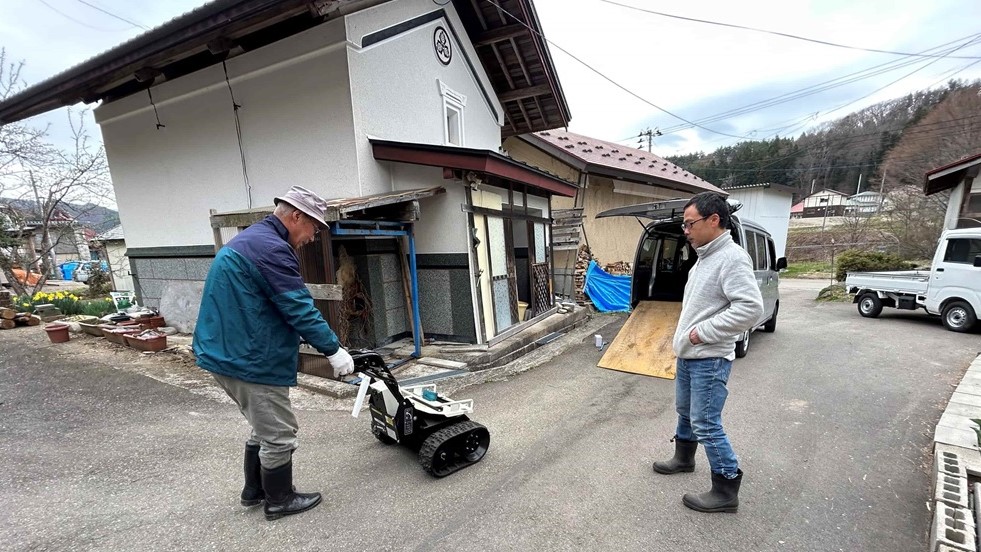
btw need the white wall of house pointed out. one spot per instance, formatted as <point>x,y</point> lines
<point>399,86</point>
<point>770,209</point>
<point>296,123</point>
<point>829,198</point>
<point>442,225</point>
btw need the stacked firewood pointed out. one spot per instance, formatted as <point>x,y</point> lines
<point>9,318</point>
<point>619,268</point>
<point>579,278</point>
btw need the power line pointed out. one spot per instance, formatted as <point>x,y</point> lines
<point>82,23</point>
<point>931,62</point>
<point>776,33</point>
<point>849,78</point>
<point>608,79</point>
<point>110,14</point>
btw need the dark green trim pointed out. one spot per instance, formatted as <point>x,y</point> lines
<point>403,27</point>
<point>172,251</point>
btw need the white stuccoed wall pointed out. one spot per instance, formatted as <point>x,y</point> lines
<point>297,128</point>
<point>768,208</point>
<point>395,86</point>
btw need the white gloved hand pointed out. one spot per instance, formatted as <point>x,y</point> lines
<point>341,362</point>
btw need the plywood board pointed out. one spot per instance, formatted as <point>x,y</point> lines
<point>643,345</point>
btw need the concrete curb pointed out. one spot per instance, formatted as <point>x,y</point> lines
<point>956,456</point>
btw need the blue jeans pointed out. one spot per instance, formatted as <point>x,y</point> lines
<point>700,395</point>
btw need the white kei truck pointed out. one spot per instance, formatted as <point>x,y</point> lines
<point>951,288</point>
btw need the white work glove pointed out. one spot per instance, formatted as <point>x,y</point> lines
<point>341,362</point>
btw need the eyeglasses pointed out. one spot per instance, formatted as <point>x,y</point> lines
<point>314,223</point>
<point>688,225</point>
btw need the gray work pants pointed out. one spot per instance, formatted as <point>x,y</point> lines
<point>267,409</point>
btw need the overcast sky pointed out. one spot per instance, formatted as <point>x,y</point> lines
<point>643,64</point>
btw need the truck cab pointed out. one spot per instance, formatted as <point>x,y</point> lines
<point>951,288</point>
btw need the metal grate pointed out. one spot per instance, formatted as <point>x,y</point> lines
<point>540,272</point>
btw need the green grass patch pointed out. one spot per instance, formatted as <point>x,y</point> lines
<point>796,268</point>
<point>834,294</point>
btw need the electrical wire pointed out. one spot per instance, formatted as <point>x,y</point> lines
<point>821,87</point>
<point>110,14</point>
<point>608,79</point>
<point>82,23</point>
<point>238,134</point>
<point>776,33</point>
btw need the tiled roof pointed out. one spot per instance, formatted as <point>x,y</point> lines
<point>114,233</point>
<point>600,154</point>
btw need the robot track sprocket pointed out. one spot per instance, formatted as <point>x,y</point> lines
<point>454,448</point>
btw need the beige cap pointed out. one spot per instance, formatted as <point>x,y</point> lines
<point>307,202</point>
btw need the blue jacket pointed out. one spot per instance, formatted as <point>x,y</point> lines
<point>255,308</point>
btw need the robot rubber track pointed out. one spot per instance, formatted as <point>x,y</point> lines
<point>437,427</point>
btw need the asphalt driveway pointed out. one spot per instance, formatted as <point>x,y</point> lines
<point>832,418</point>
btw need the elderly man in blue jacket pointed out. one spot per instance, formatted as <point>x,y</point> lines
<point>254,310</point>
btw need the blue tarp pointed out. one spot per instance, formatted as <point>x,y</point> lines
<point>608,293</point>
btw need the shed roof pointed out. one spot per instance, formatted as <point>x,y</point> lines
<point>951,174</point>
<point>617,161</point>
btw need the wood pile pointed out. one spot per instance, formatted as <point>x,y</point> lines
<point>619,268</point>
<point>582,263</point>
<point>9,318</point>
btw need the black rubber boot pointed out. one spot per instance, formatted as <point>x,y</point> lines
<point>724,496</point>
<point>683,460</point>
<point>281,499</point>
<point>252,493</point>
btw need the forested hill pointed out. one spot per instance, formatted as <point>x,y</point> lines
<point>899,140</point>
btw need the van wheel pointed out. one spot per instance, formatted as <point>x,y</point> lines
<point>742,346</point>
<point>869,305</point>
<point>958,316</point>
<point>771,324</point>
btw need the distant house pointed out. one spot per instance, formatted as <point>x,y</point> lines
<point>112,248</point>
<point>865,203</point>
<point>797,211</point>
<point>826,203</point>
<point>608,175</point>
<point>769,206</point>
<point>65,241</point>
<point>961,178</point>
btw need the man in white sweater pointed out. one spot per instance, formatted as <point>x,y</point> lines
<point>722,300</point>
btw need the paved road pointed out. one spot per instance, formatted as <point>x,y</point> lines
<point>832,417</point>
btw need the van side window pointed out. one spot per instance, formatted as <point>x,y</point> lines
<point>962,250</point>
<point>750,247</point>
<point>761,254</point>
<point>772,250</point>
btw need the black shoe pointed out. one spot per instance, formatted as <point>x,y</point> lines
<point>724,496</point>
<point>252,493</point>
<point>281,499</point>
<point>683,460</point>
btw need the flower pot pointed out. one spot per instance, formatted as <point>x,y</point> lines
<point>147,343</point>
<point>118,335</point>
<point>57,333</point>
<point>149,322</point>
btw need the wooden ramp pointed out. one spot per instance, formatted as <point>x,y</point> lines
<point>643,345</point>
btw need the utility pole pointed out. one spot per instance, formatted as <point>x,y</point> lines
<point>649,134</point>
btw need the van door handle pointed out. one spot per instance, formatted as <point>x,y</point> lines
<point>940,270</point>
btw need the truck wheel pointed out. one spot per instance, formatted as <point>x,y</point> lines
<point>869,305</point>
<point>771,324</point>
<point>742,346</point>
<point>958,316</point>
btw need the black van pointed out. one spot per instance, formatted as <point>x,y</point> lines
<point>664,257</point>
